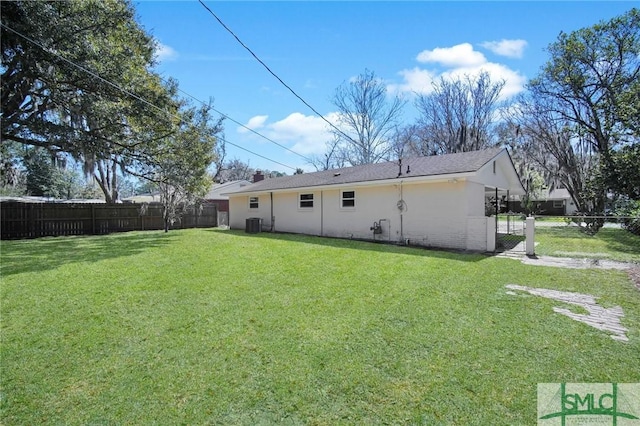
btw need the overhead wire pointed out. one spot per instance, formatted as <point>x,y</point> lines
<point>243,125</point>
<point>146,102</point>
<point>256,154</point>
<point>273,73</point>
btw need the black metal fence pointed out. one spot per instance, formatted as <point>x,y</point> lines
<point>34,220</point>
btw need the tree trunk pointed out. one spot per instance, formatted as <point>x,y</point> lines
<point>165,216</point>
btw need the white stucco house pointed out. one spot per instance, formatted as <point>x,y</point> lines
<point>436,201</point>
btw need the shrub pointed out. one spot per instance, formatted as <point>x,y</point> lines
<point>629,210</point>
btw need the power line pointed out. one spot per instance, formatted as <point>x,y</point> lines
<point>256,154</point>
<point>273,73</point>
<point>51,52</point>
<point>242,125</point>
<point>123,90</point>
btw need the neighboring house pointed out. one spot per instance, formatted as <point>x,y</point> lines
<point>143,198</point>
<point>436,201</point>
<point>555,202</point>
<point>214,196</point>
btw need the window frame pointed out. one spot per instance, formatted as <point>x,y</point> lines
<point>300,201</point>
<point>558,204</point>
<point>351,200</point>
<point>254,203</point>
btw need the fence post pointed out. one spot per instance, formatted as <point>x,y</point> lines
<point>491,234</point>
<point>530,236</point>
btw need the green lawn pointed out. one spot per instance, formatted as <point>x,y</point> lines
<point>222,327</point>
<point>569,241</point>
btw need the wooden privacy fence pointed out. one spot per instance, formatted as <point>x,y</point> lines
<point>34,220</point>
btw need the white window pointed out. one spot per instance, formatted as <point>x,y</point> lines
<point>253,203</point>
<point>558,204</point>
<point>306,201</point>
<point>348,199</point>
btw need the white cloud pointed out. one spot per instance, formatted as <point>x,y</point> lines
<point>254,123</point>
<point>415,80</point>
<point>165,53</point>
<point>461,55</point>
<point>456,62</point>
<point>304,134</point>
<point>508,48</point>
<point>514,81</point>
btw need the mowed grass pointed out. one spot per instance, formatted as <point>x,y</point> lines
<point>568,241</point>
<point>221,327</point>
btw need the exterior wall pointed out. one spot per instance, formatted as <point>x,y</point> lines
<point>435,214</point>
<point>475,195</point>
<point>571,208</point>
<point>499,173</point>
<point>372,204</point>
<point>498,179</point>
<point>477,234</point>
<point>491,234</point>
<point>289,217</point>
<point>447,214</point>
<point>239,211</point>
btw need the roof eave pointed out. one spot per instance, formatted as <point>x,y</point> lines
<point>377,182</point>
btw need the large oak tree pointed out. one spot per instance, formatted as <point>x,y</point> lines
<point>77,79</point>
<point>581,111</point>
<point>591,85</point>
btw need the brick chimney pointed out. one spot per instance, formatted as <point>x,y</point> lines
<point>258,176</point>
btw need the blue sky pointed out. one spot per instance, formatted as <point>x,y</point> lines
<point>316,46</point>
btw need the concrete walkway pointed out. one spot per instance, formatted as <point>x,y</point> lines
<point>565,262</point>
<point>604,319</point>
<point>517,252</point>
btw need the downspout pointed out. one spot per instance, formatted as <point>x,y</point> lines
<point>401,208</point>
<point>273,219</point>
<point>322,213</point>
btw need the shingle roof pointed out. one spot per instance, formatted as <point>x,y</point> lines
<point>418,166</point>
